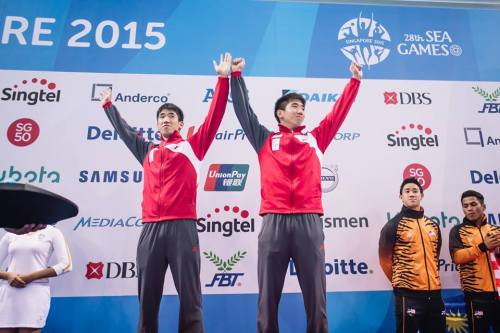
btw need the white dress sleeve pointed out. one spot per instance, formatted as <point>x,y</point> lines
<point>4,250</point>
<point>61,253</point>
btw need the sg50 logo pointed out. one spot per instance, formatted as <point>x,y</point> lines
<point>23,132</point>
<point>420,172</point>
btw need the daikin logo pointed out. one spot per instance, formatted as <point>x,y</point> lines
<point>227,221</point>
<point>321,97</point>
<point>492,104</point>
<point>32,92</point>
<point>413,136</point>
<point>364,40</point>
<point>227,278</point>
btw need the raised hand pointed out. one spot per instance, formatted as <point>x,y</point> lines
<point>223,68</point>
<point>238,65</point>
<point>106,95</point>
<point>356,70</point>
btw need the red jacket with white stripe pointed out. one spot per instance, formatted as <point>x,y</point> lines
<point>290,161</point>
<point>171,167</point>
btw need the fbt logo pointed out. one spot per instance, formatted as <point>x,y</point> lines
<point>226,135</point>
<point>32,92</point>
<point>329,178</point>
<point>97,88</point>
<point>321,97</point>
<point>478,177</point>
<point>491,105</point>
<point>110,176</point>
<point>226,278</point>
<point>227,221</point>
<point>111,270</point>
<point>474,136</point>
<point>226,177</point>
<point>96,133</point>
<point>32,176</point>
<point>413,136</point>
<point>435,43</point>
<point>23,132</point>
<point>420,172</point>
<point>407,98</point>
<point>339,267</point>
<point>364,40</point>
<point>108,222</point>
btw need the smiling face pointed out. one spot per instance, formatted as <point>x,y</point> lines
<point>293,115</point>
<point>168,122</point>
<point>411,196</point>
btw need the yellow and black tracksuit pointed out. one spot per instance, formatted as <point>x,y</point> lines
<point>409,248</point>
<point>477,278</point>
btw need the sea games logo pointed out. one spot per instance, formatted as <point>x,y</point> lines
<point>226,177</point>
<point>364,40</point>
<point>227,221</point>
<point>135,97</point>
<point>491,104</point>
<point>32,92</point>
<point>420,172</point>
<point>413,136</point>
<point>474,136</point>
<point>434,43</point>
<point>23,132</point>
<point>226,278</point>
<point>407,98</point>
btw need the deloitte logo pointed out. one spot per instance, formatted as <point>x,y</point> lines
<point>401,137</point>
<point>339,266</point>
<point>225,225</point>
<point>329,178</point>
<point>364,40</point>
<point>225,279</point>
<point>44,94</point>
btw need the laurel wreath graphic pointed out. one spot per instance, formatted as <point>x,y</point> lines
<point>489,97</point>
<point>225,266</point>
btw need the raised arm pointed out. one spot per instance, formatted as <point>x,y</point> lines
<point>135,143</point>
<point>202,139</point>
<point>329,126</point>
<point>255,132</point>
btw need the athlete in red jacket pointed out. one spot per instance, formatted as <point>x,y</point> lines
<point>290,172</point>
<point>169,236</point>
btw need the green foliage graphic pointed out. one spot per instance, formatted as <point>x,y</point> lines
<point>225,266</point>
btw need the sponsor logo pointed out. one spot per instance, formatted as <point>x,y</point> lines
<point>226,177</point>
<point>23,132</point>
<point>321,97</point>
<point>474,136</point>
<point>32,92</point>
<point>135,97</point>
<point>434,43</point>
<point>329,178</point>
<point>111,270</point>
<point>364,40</point>
<point>32,176</point>
<point>492,104</point>
<point>339,267</point>
<point>227,221</point>
<point>407,98</point>
<point>444,220</point>
<point>420,172</point>
<point>227,278</point>
<point>344,222</point>
<point>477,177</point>
<point>413,136</point>
<point>97,133</point>
<point>108,222</point>
<point>445,266</point>
<point>209,95</point>
<point>110,176</point>
<point>346,136</point>
<point>226,135</point>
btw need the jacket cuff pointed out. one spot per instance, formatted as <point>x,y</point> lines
<point>107,104</point>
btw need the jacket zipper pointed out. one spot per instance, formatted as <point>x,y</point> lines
<point>425,257</point>
<point>487,253</point>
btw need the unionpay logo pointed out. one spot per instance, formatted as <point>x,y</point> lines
<point>226,177</point>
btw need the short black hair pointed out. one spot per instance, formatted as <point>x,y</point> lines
<point>283,101</point>
<point>171,107</point>
<point>410,180</point>
<point>472,193</point>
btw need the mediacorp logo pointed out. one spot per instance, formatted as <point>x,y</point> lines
<point>474,136</point>
<point>434,43</point>
<point>320,97</point>
<point>491,104</point>
<point>23,132</point>
<point>413,136</point>
<point>32,92</point>
<point>226,278</point>
<point>226,221</point>
<point>226,177</point>
<point>364,40</point>
<point>108,222</point>
<point>135,97</point>
<point>420,172</point>
<point>41,175</point>
<point>111,270</point>
<point>329,178</point>
<point>407,98</point>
